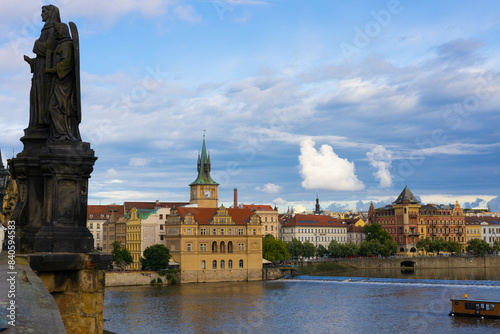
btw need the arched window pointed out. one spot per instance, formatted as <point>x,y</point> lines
<point>203,264</point>
<point>214,247</point>
<point>401,249</point>
<point>222,247</point>
<point>230,247</point>
<point>241,263</point>
<point>222,264</point>
<point>214,264</point>
<point>230,264</point>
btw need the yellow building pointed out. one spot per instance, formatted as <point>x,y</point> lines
<point>212,243</point>
<point>472,230</point>
<point>133,227</point>
<point>268,217</point>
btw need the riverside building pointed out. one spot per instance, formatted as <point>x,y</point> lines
<point>407,221</point>
<point>213,243</point>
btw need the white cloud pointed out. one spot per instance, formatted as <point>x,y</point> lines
<point>381,158</point>
<point>299,208</point>
<point>280,201</point>
<point>324,169</point>
<point>139,162</point>
<point>269,188</point>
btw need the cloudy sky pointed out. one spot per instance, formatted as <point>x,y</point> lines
<point>350,100</point>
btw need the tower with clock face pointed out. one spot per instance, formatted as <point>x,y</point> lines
<point>204,190</point>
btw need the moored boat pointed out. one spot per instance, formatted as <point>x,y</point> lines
<point>475,308</point>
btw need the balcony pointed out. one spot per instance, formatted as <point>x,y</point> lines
<point>414,234</point>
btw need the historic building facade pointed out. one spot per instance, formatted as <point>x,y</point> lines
<point>268,216</point>
<point>213,243</point>
<point>317,229</point>
<point>97,215</point>
<point>407,221</point>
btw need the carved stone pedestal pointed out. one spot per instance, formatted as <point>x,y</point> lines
<point>53,183</point>
<point>66,167</point>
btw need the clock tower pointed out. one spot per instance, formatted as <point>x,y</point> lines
<point>204,190</point>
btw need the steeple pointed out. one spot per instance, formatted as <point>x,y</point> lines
<point>406,196</point>
<point>204,167</point>
<point>317,209</point>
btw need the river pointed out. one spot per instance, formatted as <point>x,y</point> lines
<point>304,304</point>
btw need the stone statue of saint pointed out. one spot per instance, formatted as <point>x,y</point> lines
<point>63,109</point>
<point>41,81</point>
<point>55,89</point>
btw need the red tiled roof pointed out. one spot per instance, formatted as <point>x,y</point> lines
<point>357,229</point>
<point>151,205</point>
<point>258,207</point>
<point>313,221</point>
<point>97,210</point>
<point>205,215</point>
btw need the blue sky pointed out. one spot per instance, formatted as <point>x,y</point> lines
<point>350,100</point>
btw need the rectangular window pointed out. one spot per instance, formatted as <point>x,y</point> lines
<point>203,231</point>
<point>229,231</point>
<point>91,225</point>
<point>189,247</point>
<point>254,232</point>
<point>162,237</point>
<point>214,231</point>
<point>161,227</point>
<point>221,231</point>
<point>189,231</point>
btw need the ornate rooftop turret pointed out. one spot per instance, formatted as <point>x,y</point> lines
<point>204,167</point>
<point>406,196</point>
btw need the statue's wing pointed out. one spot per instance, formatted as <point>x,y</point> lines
<point>76,48</point>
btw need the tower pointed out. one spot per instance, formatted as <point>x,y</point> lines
<point>204,190</point>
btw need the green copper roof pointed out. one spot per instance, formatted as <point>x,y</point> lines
<point>204,167</point>
<point>406,195</point>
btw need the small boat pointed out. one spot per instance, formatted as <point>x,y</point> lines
<point>475,308</point>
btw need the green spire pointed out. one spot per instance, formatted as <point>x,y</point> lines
<point>204,167</point>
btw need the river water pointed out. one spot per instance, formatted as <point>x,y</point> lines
<point>305,304</point>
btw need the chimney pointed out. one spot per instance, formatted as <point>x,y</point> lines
<point>235,198</point>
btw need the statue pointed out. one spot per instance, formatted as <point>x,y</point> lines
<point>55,86</point>
<point>63,111</point>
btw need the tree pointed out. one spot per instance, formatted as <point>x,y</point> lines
<point>309,250</point>
<point>424,244</point>
<point>156,257</point>
<point>389,247</point>
<point>478,247</point>
<point>321,251</point>
<point>350,249</point>
<point>496,247</point>
<point>295,248</point>
<point>438,245</point>
<point>121,256</point>
<point>375,232</point>
<point>454,247</point>
<point>335,249</point>
<point>273,249</point>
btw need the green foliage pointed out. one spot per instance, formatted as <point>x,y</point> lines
<point>159,280</point>
<point>309,250</point>
<point>375,232</point>
<point>152,282</point>
<point>424,244</point>
<point>295,248</point>
<point>121,256</point>
<point>496,247</point>
<point>322,251</point>
<point>374,247</point>
<point>274,250</point>
<point>155,257</point>
<point>335,249</point>
<point>478,246</point>
<point>454,247</point>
